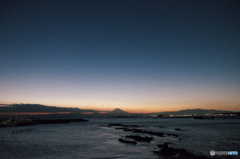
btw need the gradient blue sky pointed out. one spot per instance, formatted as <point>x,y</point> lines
<point>137,55</point>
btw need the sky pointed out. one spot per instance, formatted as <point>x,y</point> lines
<point>137,55</point>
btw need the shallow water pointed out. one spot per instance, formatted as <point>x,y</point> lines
<point>93,139</point>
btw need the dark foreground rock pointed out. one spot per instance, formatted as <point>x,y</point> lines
<point>133,129</point>
<point>178,129</point>
<point>159,134</point>
<point>127,141</point>
<point>122,125</point>
<point>162,145</point>
<point>165,151</point>
<point>139,138</point>
<point>171,152</point>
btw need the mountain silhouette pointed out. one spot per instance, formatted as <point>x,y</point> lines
<point>117,112</point>
<point>193,111</point>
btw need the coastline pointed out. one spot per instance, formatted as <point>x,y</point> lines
<point>25,122</point>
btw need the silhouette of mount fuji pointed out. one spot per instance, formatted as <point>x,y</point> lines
<point>117,112</point>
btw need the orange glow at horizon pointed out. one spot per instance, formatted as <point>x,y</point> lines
<point>150,64</point>
<point>145,107</point>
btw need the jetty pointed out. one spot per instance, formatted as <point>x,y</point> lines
<point>24,122</point>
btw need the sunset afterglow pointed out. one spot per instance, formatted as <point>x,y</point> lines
<point>139,57</point>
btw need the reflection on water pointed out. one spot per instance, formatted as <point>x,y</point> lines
<point>94,139</point>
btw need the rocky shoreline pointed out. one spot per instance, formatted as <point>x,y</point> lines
<point>162,150</point>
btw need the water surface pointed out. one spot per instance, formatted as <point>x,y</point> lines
<point>93,139</point>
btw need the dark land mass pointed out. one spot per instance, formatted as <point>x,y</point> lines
<point>193,112</point>
<point>29,108</point>
<point>37,111</point>
<point>24,122</point>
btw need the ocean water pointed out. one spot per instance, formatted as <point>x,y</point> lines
<point>95,140</point>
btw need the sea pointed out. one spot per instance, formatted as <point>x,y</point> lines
<point>95,139</point>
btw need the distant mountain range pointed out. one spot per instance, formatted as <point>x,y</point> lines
<point>192,111</point>
<point>59,112</point>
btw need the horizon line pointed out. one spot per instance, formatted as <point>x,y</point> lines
<point>101,112</point>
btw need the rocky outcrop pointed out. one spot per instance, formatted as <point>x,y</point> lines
<point>139,138</point>
<point>171,152</point>
<point>127,141</point>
